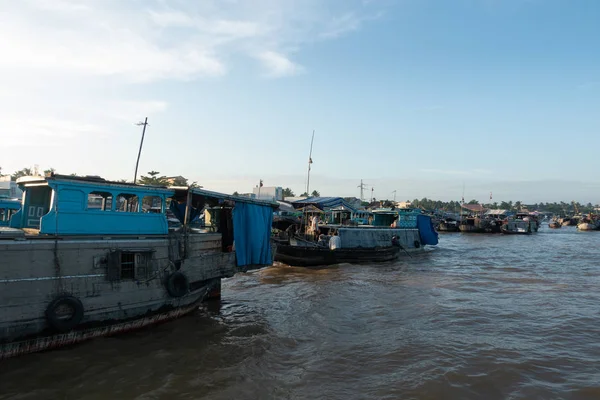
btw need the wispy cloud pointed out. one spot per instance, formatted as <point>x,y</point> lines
<point>278,65</point>
<point>167,39</point>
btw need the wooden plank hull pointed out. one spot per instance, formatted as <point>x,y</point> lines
<point>305,256</point>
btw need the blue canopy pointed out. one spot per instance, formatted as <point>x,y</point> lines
<point>323,203</point>
<point>252,234</point>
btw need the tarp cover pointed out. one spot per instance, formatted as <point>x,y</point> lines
<point>323,203</point>
<point>426,230</point>
<point>252,234</point>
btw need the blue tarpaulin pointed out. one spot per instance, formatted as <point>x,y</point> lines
<point>252,234</point>
<point>426,230</point>
<point>323,203</point>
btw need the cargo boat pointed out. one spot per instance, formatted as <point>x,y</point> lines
<point>86,257</point>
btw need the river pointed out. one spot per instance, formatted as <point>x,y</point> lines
<point>477,317</point>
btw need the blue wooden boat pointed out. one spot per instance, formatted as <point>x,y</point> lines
<point>86,257</point>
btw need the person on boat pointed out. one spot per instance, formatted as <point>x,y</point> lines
<point>335,242</point>
<point>314,226</point>
<point>395,223</point>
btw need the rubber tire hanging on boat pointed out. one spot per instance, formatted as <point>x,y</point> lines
<point>177,284</point>
<point>57,321</point>
<point>417,244</point>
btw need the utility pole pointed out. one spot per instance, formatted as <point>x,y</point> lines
<point>372,189</point>
<point>394,197</point>
<point>362,187</point>
<point>145,124</point>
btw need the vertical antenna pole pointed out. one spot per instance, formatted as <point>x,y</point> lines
<point>309,163</point>
<point>145,123</point>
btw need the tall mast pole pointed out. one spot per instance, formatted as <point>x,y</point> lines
<point>145,124</point>
<point>309,163</point>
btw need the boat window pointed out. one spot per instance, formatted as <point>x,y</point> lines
<point>127,265</point>
<point>152,204</point>
<point>100,201</point>
<point>127,203</point>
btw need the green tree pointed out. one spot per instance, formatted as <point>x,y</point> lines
<point>179,181</point>
<point>305,194</point>
<point>473,202</point>
<point>22,172</point>
<point>315,193</point>
<point>287,192</point>
<point>153,179</point>
<point>236,193</point>
<point>49,171</point>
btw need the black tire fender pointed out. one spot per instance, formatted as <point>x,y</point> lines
<point>417,244</point>
<point>177,284</point>
<point>64,313</point>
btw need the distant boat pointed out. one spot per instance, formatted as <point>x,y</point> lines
<point>555,224</point>
<point>448,225</point>
<point>588,223</point>
<point>517,227</point>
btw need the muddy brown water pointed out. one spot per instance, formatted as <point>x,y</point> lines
<point>478,317</point>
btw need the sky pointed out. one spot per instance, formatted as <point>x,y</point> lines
<point>427,98</point>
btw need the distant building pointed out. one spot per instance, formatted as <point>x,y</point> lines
<point>9,188</point>
<point>404,204</point>
<point>268,192</point>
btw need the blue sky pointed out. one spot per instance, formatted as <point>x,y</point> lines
<point>417,96</point>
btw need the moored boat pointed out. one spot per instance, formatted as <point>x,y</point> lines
<point>86,257</point>
<point>311,256</point>
<point>448,225</point>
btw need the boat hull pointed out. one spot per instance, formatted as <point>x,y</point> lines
<point>305,256</point>
<point>506,231</point>
<point>38,272</point>
<point>49,342</point>
<point>586,226</point>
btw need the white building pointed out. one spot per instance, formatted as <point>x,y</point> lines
<point>404,204</point>
<point>268,193</point>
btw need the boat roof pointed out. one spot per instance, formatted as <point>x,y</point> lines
<point>473,207</point>
<point>98,181</point>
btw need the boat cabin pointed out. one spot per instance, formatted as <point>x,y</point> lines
<point>67,205</point>
<point>338,215</point>
<point>362,217</point>
<point>8,207</point>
